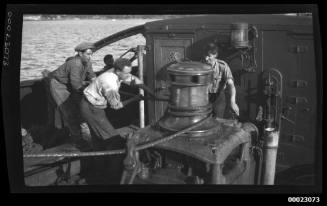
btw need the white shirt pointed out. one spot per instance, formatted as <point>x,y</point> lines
<point>221,73</point>
<point>107,82</point>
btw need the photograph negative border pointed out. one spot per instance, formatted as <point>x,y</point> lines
<point>11,104</point>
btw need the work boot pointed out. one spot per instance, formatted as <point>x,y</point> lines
<point>83,145</point>
<point>114,163</point>
<point>85,130</point>
<point>80,143</point>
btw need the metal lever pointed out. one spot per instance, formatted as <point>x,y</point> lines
<point>290,121</point>
<point>285,110</point>
<point>296,138</point>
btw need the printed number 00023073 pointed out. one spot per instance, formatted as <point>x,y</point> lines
<point>303,199</point>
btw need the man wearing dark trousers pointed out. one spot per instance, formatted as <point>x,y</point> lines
<point>66,86</point>
<point>222,80</point>
<point>103,92</point>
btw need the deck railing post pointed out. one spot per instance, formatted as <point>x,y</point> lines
<point>140,51</point>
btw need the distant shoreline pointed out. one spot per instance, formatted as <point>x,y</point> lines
<point>89,19</point>
<point>96,17</point>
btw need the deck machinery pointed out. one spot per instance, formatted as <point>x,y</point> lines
<point>215,151</point>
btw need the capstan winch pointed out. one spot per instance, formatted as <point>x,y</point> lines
<point>189,102</point>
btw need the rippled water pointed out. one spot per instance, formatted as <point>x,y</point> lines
<point>46,44</point>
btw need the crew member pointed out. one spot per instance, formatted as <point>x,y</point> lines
<point>222,80</point>
<point>103,92</point>
<point>109,63</point>
<point>66,86</point>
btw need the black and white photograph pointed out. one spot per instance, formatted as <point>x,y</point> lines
<point>179,98</point>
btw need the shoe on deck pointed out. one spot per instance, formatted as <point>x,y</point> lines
<point>83,145</point>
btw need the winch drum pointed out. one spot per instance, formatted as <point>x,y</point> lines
<point>189,102</point>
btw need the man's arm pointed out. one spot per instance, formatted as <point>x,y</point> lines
<point>133,80</point>
<point>227,74</point>
<point>75,76</point>
<point>90,73</point>
<point>232,93</point>
<point>113,99</point>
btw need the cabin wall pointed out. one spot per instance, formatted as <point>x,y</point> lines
<point>288,48</point>
<point>292,53</point>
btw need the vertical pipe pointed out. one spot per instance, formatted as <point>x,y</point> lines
<point>217,175</point>
<point>140,50</point>
<point>269,118</point>
<point>260,154</point>
<point>271,139</point>
<point>123,177</point>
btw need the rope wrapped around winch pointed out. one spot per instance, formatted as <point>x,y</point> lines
<point>120,151</point>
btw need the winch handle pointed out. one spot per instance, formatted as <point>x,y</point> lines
<point>149,91</point>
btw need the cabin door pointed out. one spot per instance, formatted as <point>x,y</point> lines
<point>165,51</point>
<point>293,55</point>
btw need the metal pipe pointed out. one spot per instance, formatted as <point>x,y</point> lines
<point>140,50</point>
<point>260,154</point>
<point>136,169</point>
<point>46,167</point>
<point>123,178</point>
<point>121,151</point>
<point>133,175</point>
<point>130,100</point>
<point>269,118</point>
<point>271,138</point>
<point>76,154</point>
<point>145,97</point>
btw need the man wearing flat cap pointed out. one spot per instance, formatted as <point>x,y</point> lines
<point>66,87</point>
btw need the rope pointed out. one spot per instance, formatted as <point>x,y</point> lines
<point>120,151</point>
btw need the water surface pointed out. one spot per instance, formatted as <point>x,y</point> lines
<point>46,44</point>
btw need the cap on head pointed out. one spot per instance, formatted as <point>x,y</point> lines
<point>84,46</point>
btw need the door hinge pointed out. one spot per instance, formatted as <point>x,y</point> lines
<point>296,100</point>
<point>296,138</point>
<point>298,49</point>
<point>299,83</point>
<point>280,156</point>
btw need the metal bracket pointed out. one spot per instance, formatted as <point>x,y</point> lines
<point>299,83</point>
<point>296,138</point>
<point>287,119</point>
<point>280,156</point>
<point>297,49</point>
<point>147,48</point>
<point>171,35</point>
<point>296,100</point>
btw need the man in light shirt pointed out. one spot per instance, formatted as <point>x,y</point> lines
<point>103,92</point>
<point>222,80</point>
